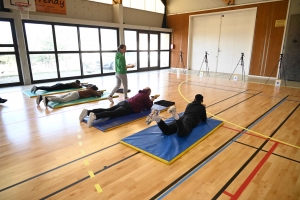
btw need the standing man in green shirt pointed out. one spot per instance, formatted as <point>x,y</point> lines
<point>121,72</point>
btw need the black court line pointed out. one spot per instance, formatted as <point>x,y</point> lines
<point>56,168</point>
<point>267,151</point>
<point>226,98</point>
<point>83,179</point>
<point>211,154</point>
<point>43,173</point>
<point>251,158</point>
<point>238,103</point>
<point>191,83</point>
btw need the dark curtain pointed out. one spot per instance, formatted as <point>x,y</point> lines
<point>164,22</point>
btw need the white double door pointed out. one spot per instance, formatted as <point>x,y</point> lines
<point>224,36</point>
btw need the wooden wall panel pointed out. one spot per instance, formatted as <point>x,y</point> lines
<point>266,42</point>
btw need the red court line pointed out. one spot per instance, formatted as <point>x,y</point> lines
<point>253,173</point>
<point>228,194</point>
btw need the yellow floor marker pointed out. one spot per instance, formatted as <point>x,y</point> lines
<point>98,188</point>
<point>80,143</point>
<point>91,173</point>
<point>79,136</point>
<point>82,152</point>
<point>86,162</point>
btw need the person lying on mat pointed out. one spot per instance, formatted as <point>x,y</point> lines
<point>193,114</point>
<point>71,96</point>
<point>134,104</point>
<point>58,86</point>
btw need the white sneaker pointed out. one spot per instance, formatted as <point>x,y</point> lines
<point>92,117</point>
<point>153,116</point>
<point>110,99</point>
<point>172,111</point>
<point>83,114</point>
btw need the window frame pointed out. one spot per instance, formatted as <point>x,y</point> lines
<point>138,69</point>
<point>15,52</point>
<point>79,51</point>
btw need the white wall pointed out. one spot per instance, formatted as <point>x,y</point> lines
<point>181,6</point>
<point>142,18</point>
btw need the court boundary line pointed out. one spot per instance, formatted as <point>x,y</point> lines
<point>218,194</point>
<point>48,171</point>
<point>211,155</point>
<point>87,177</point>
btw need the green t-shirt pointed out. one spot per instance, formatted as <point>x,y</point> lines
<point>120,64</point>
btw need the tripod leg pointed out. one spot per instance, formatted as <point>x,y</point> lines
<point>272,72</point>
<point>234,69</point>
<point>201,65</point>
<point>184,70</point>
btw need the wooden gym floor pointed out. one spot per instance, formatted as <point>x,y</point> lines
<point>48,154</point>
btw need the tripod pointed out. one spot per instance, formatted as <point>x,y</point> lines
<point>242,64</point>
<point>281,71</point>
<point>180,60</point>
<point>206,61</point>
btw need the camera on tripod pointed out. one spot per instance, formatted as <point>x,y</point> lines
<point>242,54</point>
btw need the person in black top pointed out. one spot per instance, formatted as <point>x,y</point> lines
<point>193,114</point>
<point>58,86</point>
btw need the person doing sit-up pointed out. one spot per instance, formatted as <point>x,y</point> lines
<point>135,104</point>
<point>58,86</point>
<point>193,114</point>
<point>71,96</point>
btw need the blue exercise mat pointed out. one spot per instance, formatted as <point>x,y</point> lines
<point>168,148</point>
<point>105,124</point>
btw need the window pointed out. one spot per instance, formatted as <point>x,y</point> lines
<point>149,5</point>
<point>102,1</point>
<point>9,57</point>
<point>147,49</point>
<point>63,51</point>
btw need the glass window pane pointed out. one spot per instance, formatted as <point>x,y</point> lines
<point>108,60</point>
<point>109,39</point>
<point>43,66</point>
<point>150,5</point>
<point>7,49</point>
<point>137,4</point>
<point>164,59</point>
<point>164,41</point>
<point>143,59</point>
<point>153,59</point>
<point>9,70</point>
<point>153,42</point>
<point>160,8</point>
<point>143,41</point>
<point>66,38</point>
<point>39,37</point>
<point>89,38</point>
<point>91,63</point>
<point>6,35</point>
<point>69,64</point>
<point>130,40</point>
<point>131,58</point>
<point>126,3</point>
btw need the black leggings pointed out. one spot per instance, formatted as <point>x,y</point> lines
<point>183,126</point>
<point>58,86</point>
<point>121,109</point>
